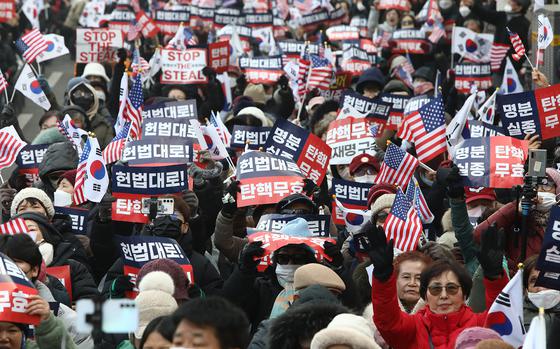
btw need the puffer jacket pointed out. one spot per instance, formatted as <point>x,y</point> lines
<point>401,330</point>
<point>551,318</point>
<point>58,157</point>
<point>50,334</point>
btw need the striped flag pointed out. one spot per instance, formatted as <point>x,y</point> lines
<point>321,73</point>
<point>113,150</point>
<point>79,196</point>
<point>414,193</point>
<point>14,226</point>
<point>133,108</point>
<point>72,132</point>
<point>3,82</point>
<point>221,128</point>
<point>31,45</point>
<point>403,224</point>
<point>353,218</point>
<point>302,75</point>
<point>182,39</point>
<point>10,146</point>
<point>426,128</point>
<point>397,168</point>
<point>497,54</point>
<point>517,45</point>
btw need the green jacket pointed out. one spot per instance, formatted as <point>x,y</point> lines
<point>50,334</point>
<point>464,233</point>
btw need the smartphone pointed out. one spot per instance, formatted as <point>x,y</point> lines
<point>537,163</point>
<point>165,206</point>
<point>119,316</point>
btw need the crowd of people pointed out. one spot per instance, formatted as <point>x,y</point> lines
<point>359,291</point>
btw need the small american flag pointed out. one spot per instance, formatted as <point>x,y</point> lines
<point>302,75</point>
<point>403,224</point>
<point>517,45</point>
<point>3,82</point>
<point>14,226</point>
<point>373,130</point>
<point>10,146</point>
<point>113,150</point>
<point>403,75</point>
<point>139,64</point>
<point>497,55</point>
<point>321,73</point>
<point>414,193</point>
<point>426,128</point>
<point>133,108</point>
<point>397,168</point>
<point>31,45</point>
<point>79,196</point>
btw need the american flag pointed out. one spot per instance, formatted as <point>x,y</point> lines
<point>321,73</point>
<point>403,224</point>
<point>14,226</point>
<point>31,45</point>
<point>10,146</point>
<point>517,45</point>
<point>497,54</point>
<point>113,150</point>
<point>434,22</point>
<point>397,168</point>
<point>134,30</point>
<point>403,75</point>
<point>133,108</point>
<point>426,128</point>
<point>183,39</point>
<point>302,75</point>
<point>414,193</point>
<point>139,64</point>
<point>79,196</point>
<point>3,82</point>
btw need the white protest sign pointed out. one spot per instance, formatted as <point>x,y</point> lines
<point>97,45</point>
<point>183,66</point>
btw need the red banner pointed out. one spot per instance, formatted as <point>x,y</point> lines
<point>149,27</point>
<point>401,5</point>
<point>7,10</point>
<point>218,56</point>
<point>548,105</point>
<point>15,289</point>
<point>62,273</point>
<point>128,210</point>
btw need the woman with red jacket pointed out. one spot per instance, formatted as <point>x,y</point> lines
<point>444,285</point>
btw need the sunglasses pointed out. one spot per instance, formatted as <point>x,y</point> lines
<point>297,259</point>
<point>451,289</point>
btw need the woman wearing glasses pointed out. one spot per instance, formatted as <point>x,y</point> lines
<point>444,286</point>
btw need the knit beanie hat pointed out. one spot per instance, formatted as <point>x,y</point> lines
<point>70,176</point>
<point>155,299</point>
<point>554,174</point>
<point>472,335</point>
<point>171,268</point>
<point>256,92</point>
<point>317,274</point>
<point>34,193</point>
<point>378,190</point>
<point>383,202</point>
<point>346,329</point>
<point>493,344</point>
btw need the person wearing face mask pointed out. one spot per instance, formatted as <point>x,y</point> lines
<point>479,200</point>
<point>364,168</point>
<point>512,17</point>
<point>65,190</point>
<point>61,249</point>
<point>538,296</point>
<point>80,92</point>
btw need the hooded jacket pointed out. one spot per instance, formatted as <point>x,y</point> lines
<point>58,157</point>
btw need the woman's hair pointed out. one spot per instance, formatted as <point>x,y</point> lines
<point>528,266</point>
<point>410,256</point>
<point>442,266</point>
<point>163,325</point>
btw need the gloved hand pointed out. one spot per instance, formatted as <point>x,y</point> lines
<point>451,178</point>
<point>196,173</point>
<point>247,261</point>
<point>8,116</point>
<point>105,208</point>
<point>120,285</point>
<point>491,252</point>
<point>333,252</point>
<point>6,197</point>
<point>380,253</point>
<point>209,73</point>
<point>283,82</point>
<point>310,188</point>
<point>229,200</point>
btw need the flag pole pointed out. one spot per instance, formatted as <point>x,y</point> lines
<point>528,60</point>
<point>34,70</point>
<point>425,167</point>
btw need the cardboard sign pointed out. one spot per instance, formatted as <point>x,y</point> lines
<point>169,21</point>
<point>129,210</point>
<point>15,289</point>
<point>29,159</point>
<point>7,10</point>
<point>398,105</point>
<point>319,225</point>
<point>149,27</point>
<point>262,70</point>
<point>349,137</point>
<point>120,19</point>
<point>78,216</point>
<point>97,45</point>
<point>343,33</point>
<point>171,110</point>
<point>549,257</point>
<point>62,273</point>
<point>355,60</point>
<point>468,74</point>
<point>401,5</point>
<point>183,67</point>
<point>218,56</point>
<point>411,41</point>
<point>351,195</point>
<point>130,182</point>
<point>255,136</point>
<point>159,150</point>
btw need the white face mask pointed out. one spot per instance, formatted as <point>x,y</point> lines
<point>464,11</point>
<point>285,273</point>
<point>545,299</point>
<point>365,179</point>
<point>507,8</point>
<point>546,201</point>
<point>477,211</point>
<point>445,4</point>
<point>62,198</point>
<point>47,251</point>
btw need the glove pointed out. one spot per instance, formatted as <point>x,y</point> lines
<point>209,73</point>
<point>8,116</point>
<point>450,178</point>
<point>436,251</point>
<point>283,82</point>
<point>196,173</point>
<point>6,197</point>
<point>310,188</point>
<point>120,285</point>
<point>105,208</point>
<point>333,252</point>
<point>491,252</point>
<point>229,200</point>
<point>380,253</point>
<point>247,262</point>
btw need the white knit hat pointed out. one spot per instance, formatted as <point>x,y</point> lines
<point>346,329</point>
<point>382,202</point>
<point>35,194</point>
<point>155,299</point>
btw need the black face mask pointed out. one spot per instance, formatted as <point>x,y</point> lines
<point>166,226</point>
<point>85,101</point>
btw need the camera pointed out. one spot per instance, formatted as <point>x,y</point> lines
<point>110,316</point>
<point>155,207</point>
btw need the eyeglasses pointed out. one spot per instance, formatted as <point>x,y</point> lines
<point>451,289</point>
<point>297,259</point>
